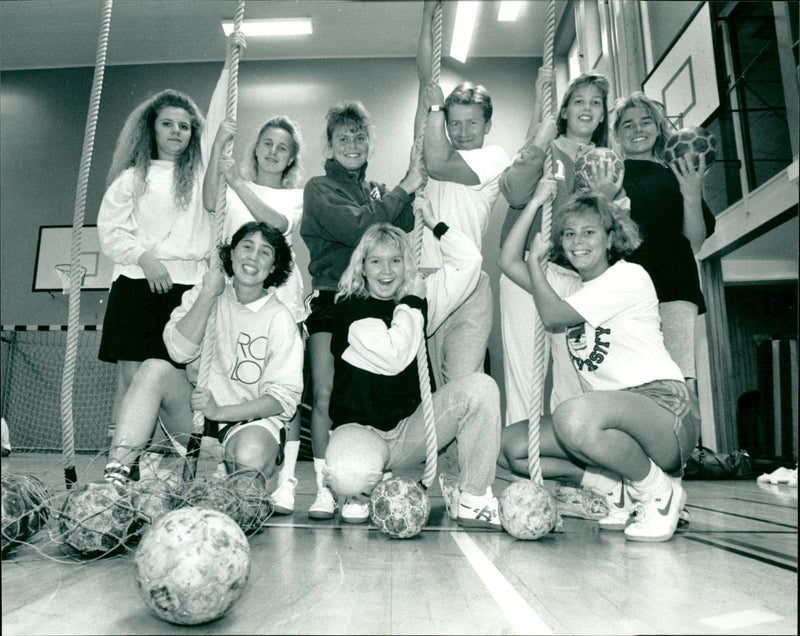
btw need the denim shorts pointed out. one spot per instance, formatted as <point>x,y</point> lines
<point>678,399</point>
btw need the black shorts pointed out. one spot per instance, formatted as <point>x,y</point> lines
<point>135,320</point>
<point>320,318</point>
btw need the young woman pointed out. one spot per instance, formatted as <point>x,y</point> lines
<point>637,418</point>
<point>337,208</point>
<point>582,124</point>
<point>266,189</point>
<point>667,204</point>
<point>153,226</point>
<point>256,373</point>
<point>382,311</point>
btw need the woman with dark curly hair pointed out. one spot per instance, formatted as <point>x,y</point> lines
<point>256,372</point>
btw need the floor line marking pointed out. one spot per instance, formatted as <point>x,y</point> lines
<point>522,617</point>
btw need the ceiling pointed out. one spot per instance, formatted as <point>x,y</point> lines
<point>63,33</point>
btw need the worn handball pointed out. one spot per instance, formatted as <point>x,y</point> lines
<point>400,508</point>
<point>691,143</point>
<point>156,494</point>
<point>25,508</point>
<point>214,494</point>
<point>594,164</point>
<point>254,504</point>
<point>192,565</point>
<point>527,510</point>
<point>98,519</point>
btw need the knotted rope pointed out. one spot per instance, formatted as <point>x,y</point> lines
<point>431,443</point>
<point>207,348</point>
<point>75,274</point>
<point>539,336</point>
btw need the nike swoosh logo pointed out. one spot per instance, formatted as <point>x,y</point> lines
<point>665,510</point>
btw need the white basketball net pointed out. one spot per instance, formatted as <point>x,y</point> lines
<point>63,271</point>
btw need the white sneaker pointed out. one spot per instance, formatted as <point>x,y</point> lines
<point>620,508</point>
<point>283,497</point>
<point>354,512</point>
<point>484,515</point>
<point>657,518</point>
<point>324,505</point>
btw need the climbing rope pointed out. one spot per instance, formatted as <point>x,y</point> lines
<point>75,271</point>
<point>431,443</point>
<point>539,336</point>
<point>207,348</point>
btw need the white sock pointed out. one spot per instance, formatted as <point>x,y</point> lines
<point>319,465</point>
<point>290,452</point>
<point>655,483</point>
<point>600,480</point>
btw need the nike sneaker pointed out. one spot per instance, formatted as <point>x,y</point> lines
<point>657,518</point>
<point>620,508</point>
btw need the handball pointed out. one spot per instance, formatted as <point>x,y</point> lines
<point>214,494</point>
<point>156,495</point>
<point>192,565</point>
<point>97,519</point>
<point>690,143</point>
<point>400,508</point>
<point>592,165</point>
<point>527,510</point>
<point>255,505</point>
<point>355,459</point>
<point>24,508</point>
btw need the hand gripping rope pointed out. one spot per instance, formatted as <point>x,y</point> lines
<point>539,361</point>
<point>76,271</point>
<point>207,348</point>
<point>431,444</point>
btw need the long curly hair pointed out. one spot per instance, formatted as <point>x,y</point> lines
<point>283,254</point>
<point>291,177</point>
<point>600,135</point>
<point>654,109</point>
<point>354,283</point>
<point>626,231</point>
<point>136,146</point>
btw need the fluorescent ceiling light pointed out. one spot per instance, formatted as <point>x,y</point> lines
<point>267,28</point>
<point>466,13</point>
<point>509,10</point>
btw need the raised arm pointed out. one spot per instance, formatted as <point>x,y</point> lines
<point>512,255</point>
<point>424,60</point>
<point>690,180</point>
<point>553,310</point>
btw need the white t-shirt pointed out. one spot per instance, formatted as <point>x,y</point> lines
<point>289,203</point>
<point>620,345</point>
<point>465,207</point>
<point>566,384</point>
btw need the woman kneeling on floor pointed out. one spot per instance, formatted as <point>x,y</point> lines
<point>382,311</point>
<point>637,419</point>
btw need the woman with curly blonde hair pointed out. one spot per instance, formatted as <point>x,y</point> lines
<point>636,422</point>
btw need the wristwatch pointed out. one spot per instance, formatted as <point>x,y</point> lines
<point>436,108</point>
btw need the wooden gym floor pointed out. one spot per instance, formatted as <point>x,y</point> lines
<point>733,570</point>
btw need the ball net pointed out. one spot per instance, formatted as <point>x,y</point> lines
<point>32,365</point>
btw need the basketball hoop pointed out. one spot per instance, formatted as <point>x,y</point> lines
<point>63,270</point>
